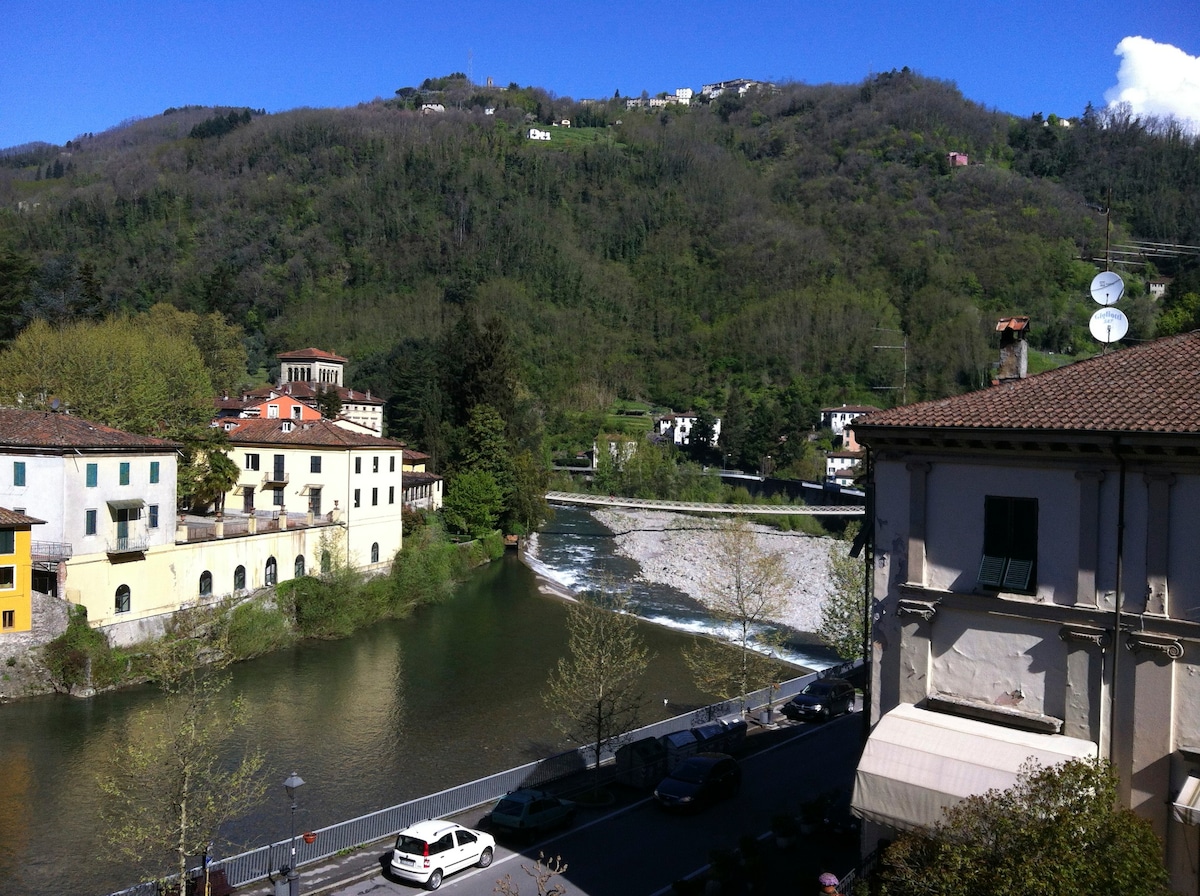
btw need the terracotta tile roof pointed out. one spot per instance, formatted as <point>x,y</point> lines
<point>311,354</point>
<point>411,454</point>
<point>308,391</point>
<point>10,519</point>
<point>22,428</point>
<point>309,433</point>
<point>1149,388</point>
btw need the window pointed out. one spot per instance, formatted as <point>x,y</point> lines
<point>271,573</point>
<point>1010,536</point>
<point>154,467</point>
<point>239,579</point>
<point>295,412</point>
<point>357,498</point>
<point>375,465</point>
<point>89,522</point>
<point>272,412</point>
<point>251,461</point>
<point>206,584</point>
<point>374,496</point>
<point>358,465</point>
<point>314,464</point>
<point>392,464</point>
<point>124,472</point>
<point>92,475</point>
<point>152,517</point>
<point>8,541</point>
<point>8,578</point>
<point>326,563</point>
<point>277,497</point>
<point>9,619</point>
<point>122,603</point>
<point>375,552</point>
<point>299,570</point>
<point>18,472</point>
<point>391,494</point>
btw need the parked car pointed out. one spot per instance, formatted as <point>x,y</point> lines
<point>699,781</point>
<point>429,850</point>
<point>531,812</point>
<point>821,700</point>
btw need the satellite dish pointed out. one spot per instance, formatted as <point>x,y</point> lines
<point>1109,325</point>
<point>1107,288</point>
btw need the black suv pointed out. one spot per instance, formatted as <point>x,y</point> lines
<point>821,700</point>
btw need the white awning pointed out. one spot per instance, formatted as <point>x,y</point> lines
<point>1186,807</point>
<point>918,763</point>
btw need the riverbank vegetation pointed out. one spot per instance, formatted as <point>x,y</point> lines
<point>334,604</point>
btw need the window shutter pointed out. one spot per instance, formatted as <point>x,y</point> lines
<point>991,571</point>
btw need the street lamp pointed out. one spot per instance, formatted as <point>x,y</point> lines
<point>293,876</point>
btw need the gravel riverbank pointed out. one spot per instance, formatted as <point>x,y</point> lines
<point>681,551</point>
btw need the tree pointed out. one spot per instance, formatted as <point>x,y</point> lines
<point>170,783</point>
<point>595,692</point>
<point>329,402</point>
<point>748,591</point>
<point>1056,832</point>
<point>206,473</point>
<point>841,625</point>
<point>473,503</point>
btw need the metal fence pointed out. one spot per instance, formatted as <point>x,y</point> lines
<point>257,864</point>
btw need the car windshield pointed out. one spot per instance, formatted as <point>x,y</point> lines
<point>509,807</point>
<point>817,690</point>
<point>690,773</point>
<point>412,845</point>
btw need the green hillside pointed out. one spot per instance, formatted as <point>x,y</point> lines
<point>746,255</point>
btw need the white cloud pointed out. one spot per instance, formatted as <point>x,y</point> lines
<point>1157,79</point>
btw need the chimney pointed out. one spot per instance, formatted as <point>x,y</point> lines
<point>1014,350</point>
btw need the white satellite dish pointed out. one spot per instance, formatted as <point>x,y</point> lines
<point>1107,288</point>
<point>1109,325</point>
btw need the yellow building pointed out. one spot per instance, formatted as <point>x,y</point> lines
<point>16,571</point>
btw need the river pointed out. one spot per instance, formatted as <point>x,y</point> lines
<point>405,708</point>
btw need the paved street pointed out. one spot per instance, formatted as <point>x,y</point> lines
<point>634,849</point>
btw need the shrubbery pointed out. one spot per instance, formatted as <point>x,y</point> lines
<point>82,657</point>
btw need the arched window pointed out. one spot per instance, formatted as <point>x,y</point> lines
<point>239,579</point>
<point>326,563</point>
<point>299,565</point>
<point>271,576</point>
<point>122,602</point>
<point>206,584</point>
<point>375,552</point>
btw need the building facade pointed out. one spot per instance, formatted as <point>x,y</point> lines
<point>1037,590</point>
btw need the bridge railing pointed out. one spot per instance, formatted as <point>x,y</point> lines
<point>258,864</point>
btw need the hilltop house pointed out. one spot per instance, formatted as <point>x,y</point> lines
<point>678,427</point>
<point>1037,591</point>
<point>837,419</point>
<point>304,374</point>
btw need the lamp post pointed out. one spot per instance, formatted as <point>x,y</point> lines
<point>293,876</point>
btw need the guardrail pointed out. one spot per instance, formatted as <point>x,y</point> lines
<point>257,864</point>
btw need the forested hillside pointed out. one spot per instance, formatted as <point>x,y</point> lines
<point>747,255</point>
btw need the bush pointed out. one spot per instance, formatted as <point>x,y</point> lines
<point>255,629</point>
<point>80,649</point>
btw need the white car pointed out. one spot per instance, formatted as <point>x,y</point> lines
<point>429,850</point>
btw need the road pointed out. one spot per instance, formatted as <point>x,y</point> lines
<point>635,849</point>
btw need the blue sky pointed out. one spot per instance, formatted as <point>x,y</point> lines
<point>87,65</point>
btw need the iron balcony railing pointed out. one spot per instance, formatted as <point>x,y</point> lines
<point>130,544</point>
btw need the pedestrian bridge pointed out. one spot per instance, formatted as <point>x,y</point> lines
<point>703,507</point>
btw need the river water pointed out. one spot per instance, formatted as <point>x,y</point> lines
<point>405,708</point>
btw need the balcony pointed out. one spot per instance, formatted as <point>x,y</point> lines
<point>132,544</point>
<point>275,479</point>
<point>49,551</point>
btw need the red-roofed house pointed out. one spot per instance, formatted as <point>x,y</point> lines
<point>1037,590</point>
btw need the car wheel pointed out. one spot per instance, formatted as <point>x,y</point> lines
<point>435,879</point>
<point>485,858</point>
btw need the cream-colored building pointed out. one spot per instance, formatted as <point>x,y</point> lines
<point>1037,590</point>
<point>323,471</point>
